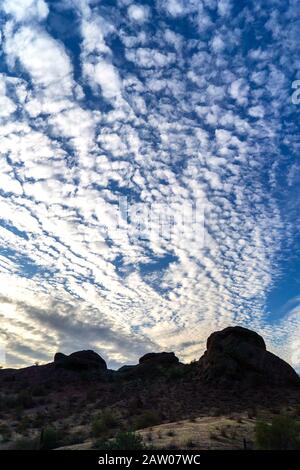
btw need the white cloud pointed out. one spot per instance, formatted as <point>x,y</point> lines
<point>23,10</point>
<point>224,7</point>
<point>96,58</point>
<point>10,184</point>
<point>239,91</point>
<point>217,44</point>
<point>175,7</point>
<point>257,111</point>
<point>138,13</point>
<point>7,106</point>
<point>149,58</point>
<point>108,78</point>
<point>94,32</point>
<point>44,59</point>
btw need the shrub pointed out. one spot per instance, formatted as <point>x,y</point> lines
<point>39,391</point>
<point>24,400</point>
<point>39,419</point>
<point>149,437</point>
<point>5,433</point>
<point>190,444</point>
<point>252,413</point>
<point>50,438</point>
<point>297,411</point>
<point>103,423</point>
<point>23,425</point>
<point>25,444</point>
<point>172,446</point>
<point>146,420</point>
<point>214,436</point>
<point>122,441</point>
<point>8,402</point>
<point>98,427</point>
<point>109,418</point>
<point>75,438</point>
<point>223,431</point>
<point>282,434</point>
<point>91,395</point>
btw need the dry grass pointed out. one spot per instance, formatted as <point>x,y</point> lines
<point>203,433</point>
<point>200,433</point>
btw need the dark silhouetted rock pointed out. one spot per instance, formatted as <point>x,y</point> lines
<point>80,360</point>
<point>163,358</point>
<point>59,357</point>
<point>154,363</point>
<point>125,369</point>
<point>235,334</point>
<point>238,354</point>
<point>150,365</point>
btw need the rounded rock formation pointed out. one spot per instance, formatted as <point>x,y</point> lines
<point>237,354</point>
<point>162,358</point>
<point>80,360</point>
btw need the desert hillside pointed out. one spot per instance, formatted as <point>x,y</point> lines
<point>215,402</point>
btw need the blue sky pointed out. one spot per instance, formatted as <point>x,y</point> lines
<point>150,176</point>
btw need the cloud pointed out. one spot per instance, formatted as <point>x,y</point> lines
<point>224,7</point>
<point>144,112</point>
<point>148,58</point>
<point>48,66</point>
<point>138,13</point>
<point>239,90</point>
<point>7,106</point>
<point>175,7</point>
<point>105,75</point>
<point>29,10</point>
<point>217,44</point>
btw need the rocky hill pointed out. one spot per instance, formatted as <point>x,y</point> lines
<point>235,374</point>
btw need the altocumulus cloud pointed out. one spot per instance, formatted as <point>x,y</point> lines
<point>163,104</point>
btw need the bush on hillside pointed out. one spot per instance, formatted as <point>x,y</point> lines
<point>147,419</point>
<point>283,433</point>
<point>50,439</point>
<point>26,444</point>
<point>103,423</point>
<point>122,441</point>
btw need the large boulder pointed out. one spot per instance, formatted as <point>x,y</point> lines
<point>150,365</point>
<point>237,354</point>
<point>153,364</point>
<point>162,358</point>
<point>80,361</point>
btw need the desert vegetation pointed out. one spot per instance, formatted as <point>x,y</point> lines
<point>122,441</point>
<point>281,433</point>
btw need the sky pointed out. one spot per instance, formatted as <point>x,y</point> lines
<point>150,176</point>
